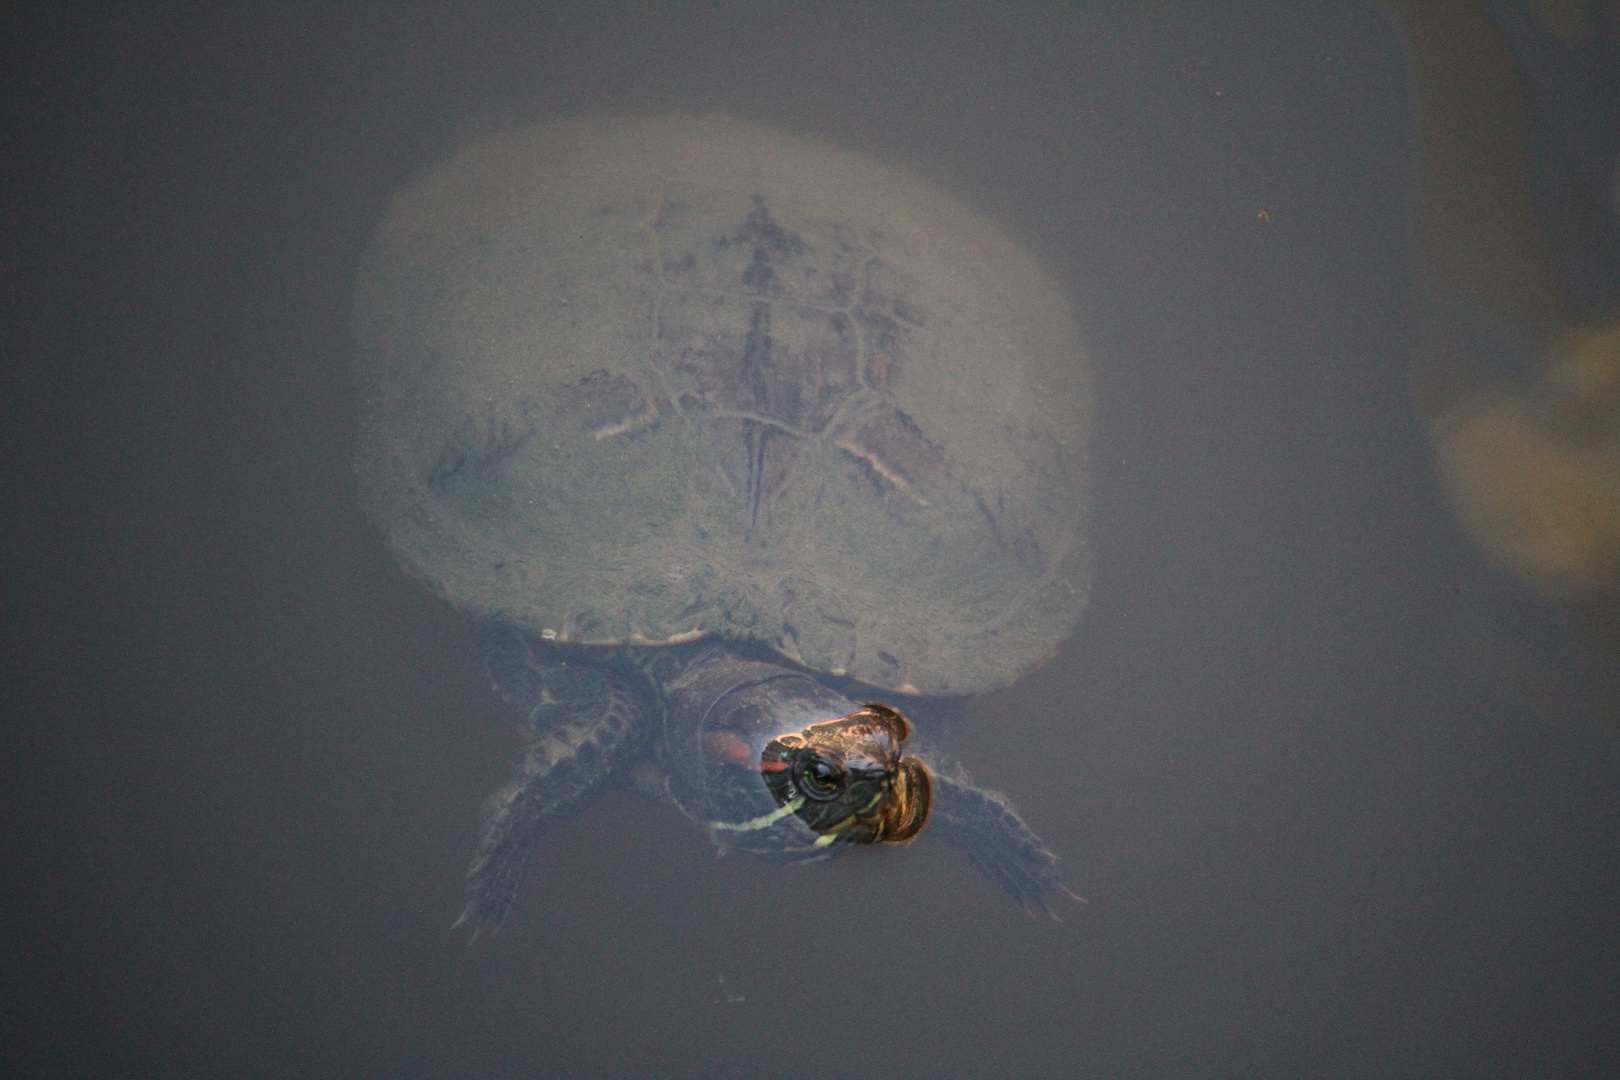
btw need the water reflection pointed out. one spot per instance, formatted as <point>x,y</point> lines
<point>1520,372</point>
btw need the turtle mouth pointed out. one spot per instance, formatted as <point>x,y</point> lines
<point>847,781</point>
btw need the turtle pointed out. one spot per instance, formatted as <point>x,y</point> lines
<point>734,446</point>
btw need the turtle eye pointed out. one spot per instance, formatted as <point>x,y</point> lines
<point>820,777</point>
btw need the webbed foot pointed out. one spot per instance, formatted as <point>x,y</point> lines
<point>585,721</point>
<point>987,828</point>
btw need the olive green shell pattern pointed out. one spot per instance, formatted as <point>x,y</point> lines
<point>643,381</point>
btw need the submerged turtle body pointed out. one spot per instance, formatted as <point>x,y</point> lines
<point>648,382</point>
<point>639,381</point>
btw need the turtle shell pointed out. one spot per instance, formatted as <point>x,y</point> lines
<point>647,380</point>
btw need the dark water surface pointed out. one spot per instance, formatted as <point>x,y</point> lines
<point>1343,802</point>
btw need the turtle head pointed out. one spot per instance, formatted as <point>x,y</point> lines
<point>847,780</point>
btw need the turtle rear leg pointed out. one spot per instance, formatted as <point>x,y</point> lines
<point>584,720</point>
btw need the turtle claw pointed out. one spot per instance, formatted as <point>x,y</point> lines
<point>514,818</point>
<point>484,915</point>
<point>1042,904</point>
<point>480,924</point>
<point>1023,867</point>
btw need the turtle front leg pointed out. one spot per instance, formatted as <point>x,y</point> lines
<point>585,720</point>
<point>987,828</point>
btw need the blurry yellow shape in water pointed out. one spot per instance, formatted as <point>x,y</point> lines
<point>1536,477</point>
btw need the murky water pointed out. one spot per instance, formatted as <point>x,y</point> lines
<point>1343,799</point>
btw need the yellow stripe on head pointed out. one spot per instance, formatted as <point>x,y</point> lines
<point>763,822</point>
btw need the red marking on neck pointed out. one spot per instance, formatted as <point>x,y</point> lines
<point>726,746</point>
